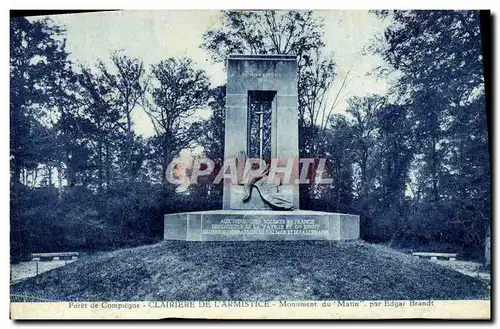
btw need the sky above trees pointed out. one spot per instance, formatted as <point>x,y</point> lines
<point>155,35</point>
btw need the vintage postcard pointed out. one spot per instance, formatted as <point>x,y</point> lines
<point>262,164</point>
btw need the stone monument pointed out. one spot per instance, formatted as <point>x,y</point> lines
<point>261,145</point>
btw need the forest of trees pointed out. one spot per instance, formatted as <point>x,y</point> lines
<point>414,163</point>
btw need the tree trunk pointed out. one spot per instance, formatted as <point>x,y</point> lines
<point>59,178</point>
<point>434,172</point>
<point>129,146</point>
<point>100,175</point>
<point>487,247</point>
<point>49,174</point>
<point>108,166</point>
<point>164,165</point>
<point>16,178</point>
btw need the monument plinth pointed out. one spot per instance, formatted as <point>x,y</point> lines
<point>261,145</point>
<point>245,225</point>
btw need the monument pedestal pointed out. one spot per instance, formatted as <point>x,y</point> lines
<point>245,225</point>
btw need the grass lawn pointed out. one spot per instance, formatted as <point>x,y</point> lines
<point>259,270</point>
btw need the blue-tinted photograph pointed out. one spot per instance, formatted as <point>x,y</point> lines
<point>251,157</point>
